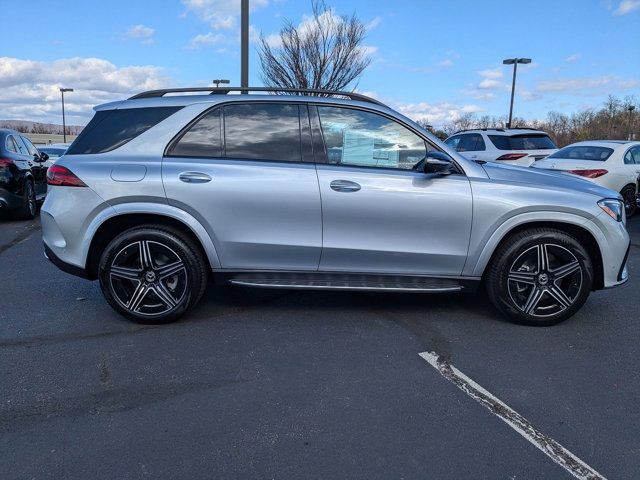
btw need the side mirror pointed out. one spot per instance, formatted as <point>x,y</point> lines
<point>438,163</point>
<point>43,157</point>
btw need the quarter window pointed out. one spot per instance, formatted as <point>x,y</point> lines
<point>356,137</point>
<point>203,139</point>
<point>11,146</point>
<point>269,131</point>
<point>110,129</point>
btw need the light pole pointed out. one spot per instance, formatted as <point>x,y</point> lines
<point>514,62</point>
<point>64,124</point>
<point>631,108</point>
<point>218,82</point>
<point>244,44</point>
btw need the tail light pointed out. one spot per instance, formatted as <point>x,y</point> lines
<point>5,162</point>
<point>511,156</point>
<point>63,177</point>
<point>589,173</point>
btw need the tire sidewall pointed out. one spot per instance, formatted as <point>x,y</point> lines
<point>503,298</point>
<point>156,235</point>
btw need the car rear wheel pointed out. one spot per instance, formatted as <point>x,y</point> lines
<point>630,200</point>
<point>28,208</point>
<point>540,277</point>
<point>152,274</point>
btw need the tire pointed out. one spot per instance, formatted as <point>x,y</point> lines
<point>28,209</point>
<point>152,274</point>
<point>533,291</point>
<point>630,200</point>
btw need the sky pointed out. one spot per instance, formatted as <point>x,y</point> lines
<point>431,60</point>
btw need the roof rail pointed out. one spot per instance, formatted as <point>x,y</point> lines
<point>225,90</point>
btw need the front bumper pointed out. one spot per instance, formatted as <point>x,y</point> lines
<point>9,201</point>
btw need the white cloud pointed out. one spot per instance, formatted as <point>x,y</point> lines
<point>207,39</point>
<point>29,90</point>
<point>492,84</point>
<point>446,63</point>
<point>436,114</point>
<point>140,32</point>
<point>627,6</point>
<point>220,14</point>
<point>573,58</point>
<point>588,85</point>
<point>492,73</point>
<point>373,23</point>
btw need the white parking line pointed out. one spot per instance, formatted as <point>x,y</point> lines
<point>549,446</point>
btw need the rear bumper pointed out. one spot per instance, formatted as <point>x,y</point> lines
<point>64,266</point>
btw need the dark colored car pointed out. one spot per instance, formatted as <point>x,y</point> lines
<point>23,175</point>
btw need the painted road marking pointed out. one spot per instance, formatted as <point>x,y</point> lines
<point>549,446</point>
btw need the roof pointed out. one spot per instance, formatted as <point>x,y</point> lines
<point>605,143</point>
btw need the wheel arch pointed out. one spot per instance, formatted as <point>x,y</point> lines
<point>579,231</point>
<point>115,224</point>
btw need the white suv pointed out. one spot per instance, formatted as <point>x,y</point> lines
<point>514,146</point>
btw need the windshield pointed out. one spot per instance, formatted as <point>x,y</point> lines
<point>529,141</point>
<point>53,152</point>
<point>583,152</point>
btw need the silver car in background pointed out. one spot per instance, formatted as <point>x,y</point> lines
<point>315,190</point>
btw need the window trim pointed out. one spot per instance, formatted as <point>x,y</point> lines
<point>176,138</point>
<point>459,169</point>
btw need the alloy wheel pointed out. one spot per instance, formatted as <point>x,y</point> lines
<point>148,278</point>
<point>545,280</point>
<point>31,199</point>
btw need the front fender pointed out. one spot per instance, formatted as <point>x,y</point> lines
<point>479,259</point>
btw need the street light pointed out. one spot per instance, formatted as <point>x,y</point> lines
<point>514,62</point>
<point>64,125</point>
<point>631,108</point>
<point>218,82</point>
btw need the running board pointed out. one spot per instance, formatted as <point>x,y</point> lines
<point>381,283</point>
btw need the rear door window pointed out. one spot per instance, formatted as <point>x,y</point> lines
<point>523,142</point>
<point>110,129</point>
<point>262,131</point>
<point>30,147</point>
<point>202,139</point>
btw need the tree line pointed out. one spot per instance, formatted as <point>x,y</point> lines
<point>616,119</point>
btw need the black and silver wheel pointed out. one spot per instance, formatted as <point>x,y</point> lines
<point>540,277</point>
<point>152,274</point>
<point>630,200</point>
<point>29,208</point>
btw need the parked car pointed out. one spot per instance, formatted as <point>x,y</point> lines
<point>160,192</point>
<point>513,146</point>
<point>54,150</point>
<point>23,175</point>
<point>614,164</point>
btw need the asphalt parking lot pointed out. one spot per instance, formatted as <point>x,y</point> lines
<point>289,384</point>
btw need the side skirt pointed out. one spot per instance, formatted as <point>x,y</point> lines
<point>348,281</point>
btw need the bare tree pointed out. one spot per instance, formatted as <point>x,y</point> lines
<point>325,52</point>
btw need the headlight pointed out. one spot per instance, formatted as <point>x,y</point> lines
<point>613,207</point>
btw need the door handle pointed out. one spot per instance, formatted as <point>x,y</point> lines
<point>194,177</point>
<point>344,186</point>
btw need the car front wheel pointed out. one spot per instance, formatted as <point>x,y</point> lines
<point>540,277</point>
<point>152,274</point>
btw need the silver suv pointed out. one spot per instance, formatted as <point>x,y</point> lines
<point>315,190</point>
